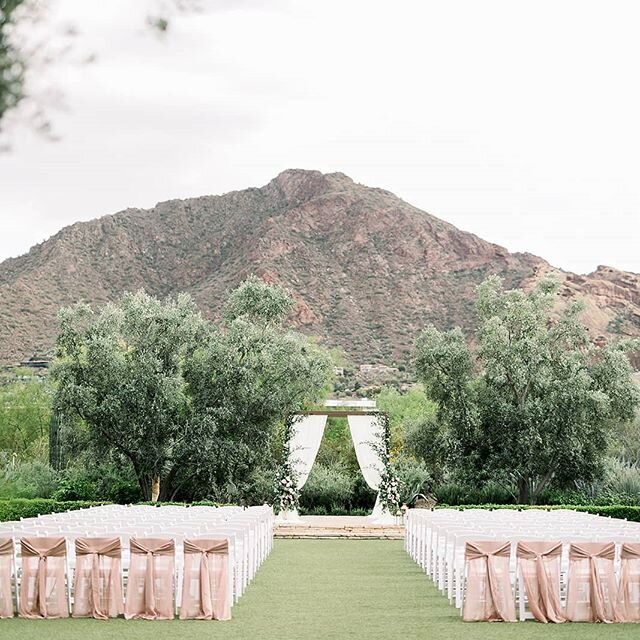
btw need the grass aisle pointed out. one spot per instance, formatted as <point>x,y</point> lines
<point>324,589</point>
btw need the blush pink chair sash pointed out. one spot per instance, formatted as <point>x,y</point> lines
<point>205,585</point>
<point>592,590</point>
<point>43,592</point>
<point>98,578</point>
<point>6,561</point>
<point>489,595</point>
<point>629,590</point>
<point>150,585</point>
<point>539,564</point>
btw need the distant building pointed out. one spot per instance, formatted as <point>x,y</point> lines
<point>377,370</point>
<point>361,403</point>
<point>37,361</point>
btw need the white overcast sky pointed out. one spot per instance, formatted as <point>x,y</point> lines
<point>518,121</point>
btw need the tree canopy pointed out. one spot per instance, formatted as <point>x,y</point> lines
<point>535,401</point>
<point>25,411</point>
<point>192,406</point>
<point>11,63</point>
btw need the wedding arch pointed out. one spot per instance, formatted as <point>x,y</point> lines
<point>370,434</point>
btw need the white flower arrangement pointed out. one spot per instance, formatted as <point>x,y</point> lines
<point>389,485</point>
<point>286,494</point>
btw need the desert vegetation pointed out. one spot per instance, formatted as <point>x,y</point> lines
<point>148,400</point>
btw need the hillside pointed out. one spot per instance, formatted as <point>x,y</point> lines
<point>367,269</point>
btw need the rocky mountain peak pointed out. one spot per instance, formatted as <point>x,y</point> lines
<point>367,269</point>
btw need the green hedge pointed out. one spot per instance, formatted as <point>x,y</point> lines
<point>198,503</point>
<point>17,508</point>
<point>624,512</point>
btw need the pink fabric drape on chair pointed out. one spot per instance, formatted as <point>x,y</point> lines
<point>98,579</point>
<point>6,562</point>
<point>629,590</point>
<point>539,564</point>
<point>43,591</point>
<point>150,584</point>
<point>592,590</point>
<point>489,594</point>
<point>205,585</point>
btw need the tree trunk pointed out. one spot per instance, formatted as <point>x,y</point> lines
<point>143,479</point>
<point>542,485</point>
<point>155,488</point>
<point>169,488</point>
<point>524,495</point>
<point>54,442</point>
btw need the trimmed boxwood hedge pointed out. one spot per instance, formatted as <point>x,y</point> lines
<point>17,508</point>
<point>624,512</point>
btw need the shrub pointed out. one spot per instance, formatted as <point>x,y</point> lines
<point>584,494</point>
<point>109,481</point>
<point>414,478</point>
<point>623,512</point>
<point>24,508</point>
<point>330,488</point>
<point>27,480</point>
<point>455,493</point>
<point>363,496</point>
<point>122,491</point>
<point>260,487</point>
<point>623,481</point>
<point>76,486</point>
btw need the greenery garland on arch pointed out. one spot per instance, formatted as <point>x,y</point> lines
<point>287,494</point>
<point>389,489</point>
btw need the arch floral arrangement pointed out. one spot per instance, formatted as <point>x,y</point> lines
<point>389,489</point>
<point>287,494</point>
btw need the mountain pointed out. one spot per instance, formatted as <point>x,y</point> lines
<point>367,269</point>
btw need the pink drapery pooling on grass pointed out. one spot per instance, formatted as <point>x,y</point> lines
<point>6,561</point>
<point>629,590</point>
<point>98,583</point>
<point>150,584</point>
<point>592,591</point>
<point>205,587</point>
<point>539,564</point>
<point>489,594</point>
<point>43,592</point>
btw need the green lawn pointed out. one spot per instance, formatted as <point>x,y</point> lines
<point>325,589</point>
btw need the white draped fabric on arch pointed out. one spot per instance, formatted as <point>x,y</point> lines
<point>364,433</point>
<point>305,444</point>
<point>308,430</point>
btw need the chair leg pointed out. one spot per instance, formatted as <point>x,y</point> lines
<point>520,593</point>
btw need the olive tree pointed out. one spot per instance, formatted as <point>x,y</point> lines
<point>245,378</point>
<point>121,372</point>
<point>193,406</point>
<point>535,401</point>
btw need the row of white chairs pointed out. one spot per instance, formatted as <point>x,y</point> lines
<point>436,540</point>
<point>249,532</point>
